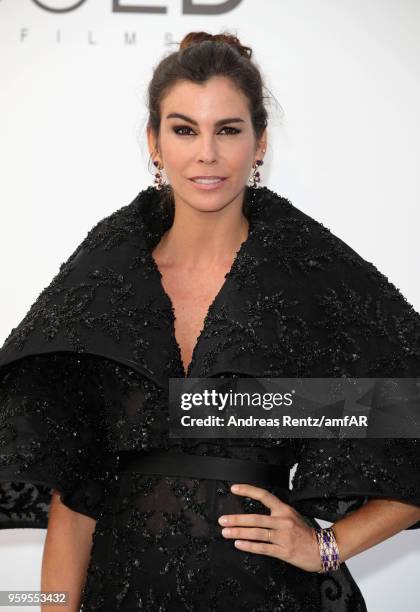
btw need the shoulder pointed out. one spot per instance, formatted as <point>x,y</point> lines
<point>85,288</point>
<point>295,233</point>
<point>107,243</point>
<point>112,230</point>
<point>338,286</point>
<point>327,257</point>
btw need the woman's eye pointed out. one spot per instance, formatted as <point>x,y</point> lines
<point>178,130</point>
<point>233,130</point>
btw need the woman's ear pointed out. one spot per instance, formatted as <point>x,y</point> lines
<point>262,145</point>
<point>152,143</point>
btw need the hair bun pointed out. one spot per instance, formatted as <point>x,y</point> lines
<point>193,38</point>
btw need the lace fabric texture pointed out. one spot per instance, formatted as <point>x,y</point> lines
<point>52,437</point>
<point>157,543</point>
<point>85,376</point>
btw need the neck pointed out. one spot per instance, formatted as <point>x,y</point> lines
<point>199,239</point>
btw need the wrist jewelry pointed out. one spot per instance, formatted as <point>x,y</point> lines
<point>328,549</point>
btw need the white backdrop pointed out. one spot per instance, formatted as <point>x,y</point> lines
<point>344,147</point>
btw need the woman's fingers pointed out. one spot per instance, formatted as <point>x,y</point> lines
<point>282,534</point>
<point>265,497</point>
<point>247,520</point>
<point>256,533</point>
<point>258,548</point>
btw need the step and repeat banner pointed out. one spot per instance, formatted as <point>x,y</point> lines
<point>344,146</point>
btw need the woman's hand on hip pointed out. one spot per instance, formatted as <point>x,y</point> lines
<point>282,534</point>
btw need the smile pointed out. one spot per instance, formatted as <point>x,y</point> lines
<point>207,183</point>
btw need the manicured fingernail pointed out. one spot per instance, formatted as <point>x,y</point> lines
<point>223,520</point>
<point>234,488</point>
<point>226,531</point>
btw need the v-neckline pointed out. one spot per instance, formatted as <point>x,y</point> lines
<point>211,307</point>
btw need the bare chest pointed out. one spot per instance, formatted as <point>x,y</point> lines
<point>191,297</point>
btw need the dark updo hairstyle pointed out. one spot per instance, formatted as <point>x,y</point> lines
<point>201,56</point>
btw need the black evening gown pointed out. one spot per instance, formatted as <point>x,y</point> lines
<point>84,409</point>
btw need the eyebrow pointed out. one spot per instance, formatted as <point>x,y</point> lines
<point>219,122</point>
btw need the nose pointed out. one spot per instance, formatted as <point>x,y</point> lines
<point>208,150</point>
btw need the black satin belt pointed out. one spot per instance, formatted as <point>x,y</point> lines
<point>168,463</point>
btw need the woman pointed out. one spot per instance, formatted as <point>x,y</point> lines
<point>202,275</point>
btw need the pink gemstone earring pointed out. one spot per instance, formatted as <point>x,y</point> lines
<point>158,180</point>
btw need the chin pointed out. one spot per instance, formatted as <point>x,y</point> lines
<point>209,200</point>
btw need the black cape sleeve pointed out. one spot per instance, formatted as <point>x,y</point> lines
<point>367,319</point>
<point>54,433</point>
<point>52,437</point>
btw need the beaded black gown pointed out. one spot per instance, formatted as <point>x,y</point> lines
<point>84,378</point>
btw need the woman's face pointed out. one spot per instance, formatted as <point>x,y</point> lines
<point>206,131</point>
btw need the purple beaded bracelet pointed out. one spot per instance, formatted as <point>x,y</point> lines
<point>328,549</point>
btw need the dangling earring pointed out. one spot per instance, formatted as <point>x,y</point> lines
<point>256,177</point>
<point>158,180</point>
